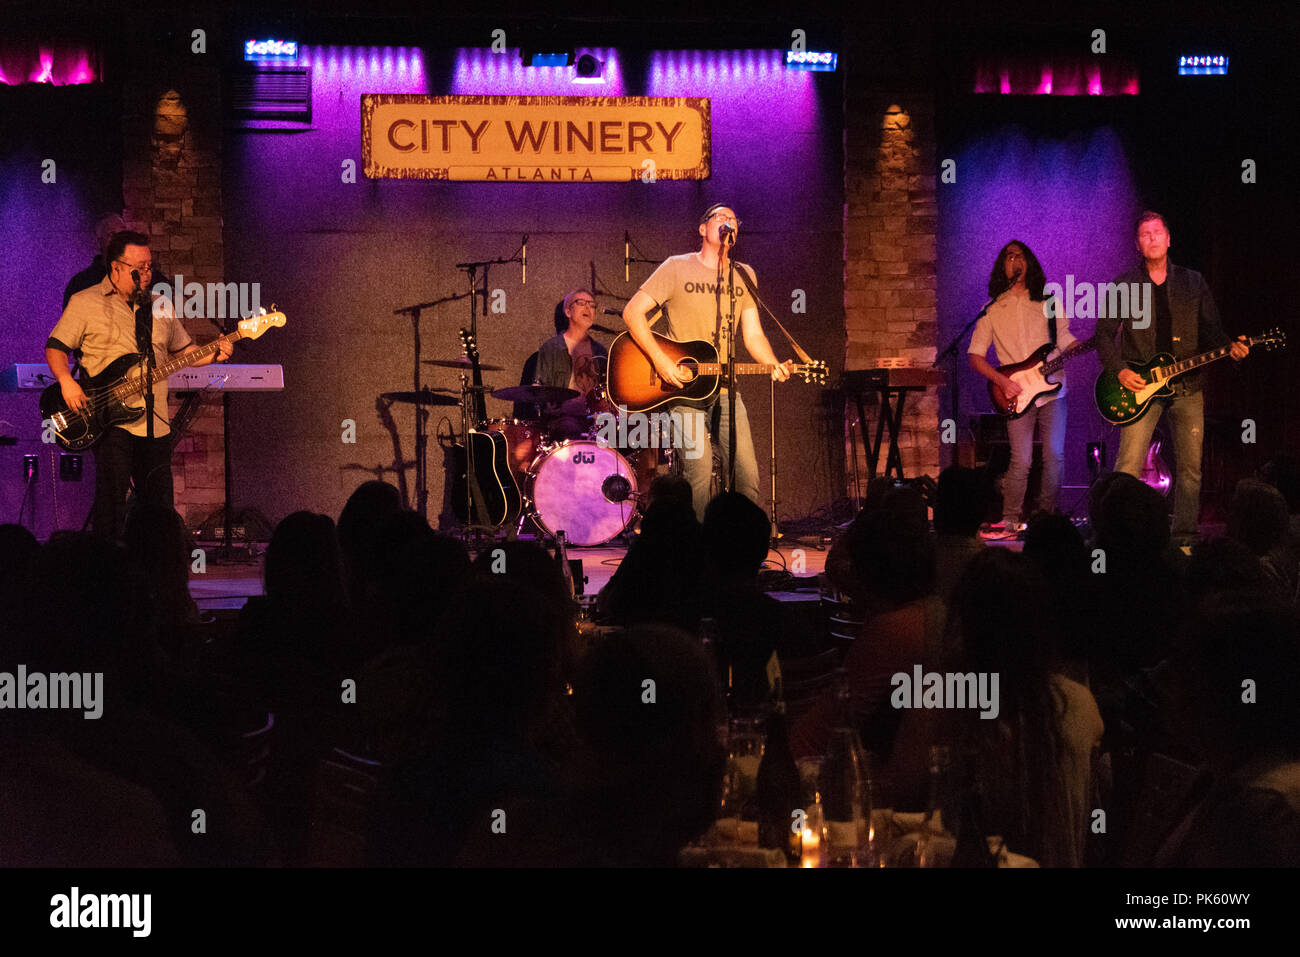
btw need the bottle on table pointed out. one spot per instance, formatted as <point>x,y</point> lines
<point>778,790</point>
<point>844,809</point>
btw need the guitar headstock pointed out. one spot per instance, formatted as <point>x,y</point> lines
<point>254,326</point>
<point>814,372</point>
<point>1274,338</point>
<point>468,343</point>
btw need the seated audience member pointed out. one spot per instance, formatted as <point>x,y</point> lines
<point>1257,517</point>
<point>1246,810</point>
<point>647,780</point>
<point>959,507</point>
<point>893,556</point>
<point>657,581</point>
<point>360,524</point>
<point>1030,768</point>
<point>748,622</point>
<point>157,542</point>
<point>1283,473</point>
<point>839,561</point>
<point>1055,546</point>
<point>493,674</point>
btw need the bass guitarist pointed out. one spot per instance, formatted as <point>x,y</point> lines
<point>100,324</point>
<point>686,287</point>
<point>1185,322</point>
<point>1019,320</point>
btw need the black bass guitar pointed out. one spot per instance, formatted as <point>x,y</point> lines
<point>1121,406</point>
<point>116,396</point>
<point>497,495</point>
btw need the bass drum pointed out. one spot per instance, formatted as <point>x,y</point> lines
<point>583,489</point>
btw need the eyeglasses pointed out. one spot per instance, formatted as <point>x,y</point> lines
<point>143,267</point>
<point>584,302</point>
<point>730,219</point>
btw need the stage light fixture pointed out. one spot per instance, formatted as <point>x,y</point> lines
<point>808,60</point>
<point>589,70</point>
<point>1213,65</point>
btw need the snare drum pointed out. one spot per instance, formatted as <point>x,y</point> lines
<point>584,490</point>
<point>523,442</point>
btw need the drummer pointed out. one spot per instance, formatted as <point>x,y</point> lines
<point>572,360</point>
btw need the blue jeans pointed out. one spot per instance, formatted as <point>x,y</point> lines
<point>698,471</point>
<point>1051,427</point>
<point>1187,418</point>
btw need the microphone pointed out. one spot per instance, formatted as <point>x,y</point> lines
<point>610,312</point>
<point>627,255</point>
<point>597,327</point>
<point>523,280</point>
<point>725,231</point>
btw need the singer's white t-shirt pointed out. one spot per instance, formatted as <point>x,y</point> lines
<point>687,289</point>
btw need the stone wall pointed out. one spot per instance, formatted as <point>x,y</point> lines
<point>171,170</point>
<point>890,214</point>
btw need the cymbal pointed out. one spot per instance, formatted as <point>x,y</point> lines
<point>463,364</point>
<point>535,394</point>
<point>423,397</point>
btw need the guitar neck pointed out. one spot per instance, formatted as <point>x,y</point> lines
<point>741,368</point>
<point>178,363</point>
<point>1205,358</point>
<point>1078,349</point>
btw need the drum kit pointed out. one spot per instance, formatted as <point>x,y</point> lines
<point>571,481</point>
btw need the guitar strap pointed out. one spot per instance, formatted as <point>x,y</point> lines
<point>1051,323</point>
<point>798,349</point>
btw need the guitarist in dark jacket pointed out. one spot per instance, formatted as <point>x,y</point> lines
<point>1185,321</point>
<point>99,324</point>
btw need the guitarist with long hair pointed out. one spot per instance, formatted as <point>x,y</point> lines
<point>100,325</point>
<point>1186,321</point>
<point>1020,319</point>
<point>685,288</point>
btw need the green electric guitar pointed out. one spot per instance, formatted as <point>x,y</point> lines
<point>1121,406</point>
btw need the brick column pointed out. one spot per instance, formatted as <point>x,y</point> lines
<point>890,213</point>
<point>171,169</point>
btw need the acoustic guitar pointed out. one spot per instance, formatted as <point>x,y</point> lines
<point>635,384</point>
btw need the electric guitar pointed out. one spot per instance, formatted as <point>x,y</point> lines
<point>636,385</point>
<point>116,396</point>
<point>1121,406</point>
<point>497,497</point>
<point>1032,376</point>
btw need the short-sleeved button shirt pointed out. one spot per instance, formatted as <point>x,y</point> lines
<point>102,327</point>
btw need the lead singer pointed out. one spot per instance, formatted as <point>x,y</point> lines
<point>686,287</point>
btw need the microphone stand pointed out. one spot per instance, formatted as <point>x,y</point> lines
<point>144,324</point>
<point>731,364</point>
<point>950,351</point>
<point>473,508</point>
<point>421,435</point>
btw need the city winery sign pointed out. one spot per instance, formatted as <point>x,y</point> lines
<point>535,139</point>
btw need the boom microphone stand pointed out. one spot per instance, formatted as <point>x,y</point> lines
<point>421,436</point>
